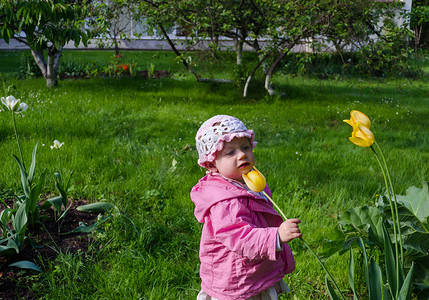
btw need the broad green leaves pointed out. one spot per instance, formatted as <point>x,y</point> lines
<point>373,225</point>
<point>364,221</point>
<point>417,202</point>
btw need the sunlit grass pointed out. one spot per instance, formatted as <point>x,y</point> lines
<point>122,136</point>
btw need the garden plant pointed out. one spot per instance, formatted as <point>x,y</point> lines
<point>129,153</point>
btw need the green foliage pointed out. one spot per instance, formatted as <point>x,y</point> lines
<point>377,60</point>
<point>25,213</point>
<point>28,67</point>
<point>369,223</point>
<point>48,26</point>
<point>73,69</point>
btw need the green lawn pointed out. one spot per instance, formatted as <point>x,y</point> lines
<point>130,141</point>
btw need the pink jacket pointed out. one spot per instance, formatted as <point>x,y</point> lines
<point>238,242</point>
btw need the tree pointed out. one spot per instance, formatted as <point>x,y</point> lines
<point>117,16</point>
<point>45,26</point>
<point>419,21</point>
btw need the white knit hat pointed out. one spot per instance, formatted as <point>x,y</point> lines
<point>214,132</point>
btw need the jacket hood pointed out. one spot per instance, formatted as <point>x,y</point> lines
<point>212,189</point>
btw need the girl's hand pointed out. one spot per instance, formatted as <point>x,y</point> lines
<point>289,230</point>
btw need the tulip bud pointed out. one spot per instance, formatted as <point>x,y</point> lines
<point>255,180</point>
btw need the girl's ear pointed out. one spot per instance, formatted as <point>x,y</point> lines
<point>211,166</point>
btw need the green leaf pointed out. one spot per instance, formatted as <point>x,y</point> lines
<point>24,178</point>
<point>352,273</point>
<point>392,275</point>
<point>60,187</point>
<point>416,244</point>
<point>5,216</point>
<point>10,248</point>
<point>84,228</point>
<point>364,220</point>
<point>365,265</point>
<point>45,205</point>
<point>19,221</point>
<point>98,207</point>
<point>68,182</point>
<point>25,264</point>
<point>375,282</point>
<point>416,200</point>
<point>56,202</point>
<point>330,289</point>
<point>405,292</point>
<point>89,228</point>
<point>32,166</point>
<point>35,192</point>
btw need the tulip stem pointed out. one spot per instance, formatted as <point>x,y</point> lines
<point>17,140</point>
<point>395,224</point>
<point>395,202</point>
<point>308,247</point>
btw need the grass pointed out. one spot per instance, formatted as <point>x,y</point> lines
<point>131,142</point>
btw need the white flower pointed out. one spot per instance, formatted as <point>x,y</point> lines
<point>56,145</point>
<point>13,104</point>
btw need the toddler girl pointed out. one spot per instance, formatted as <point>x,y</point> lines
<point>243,250</point>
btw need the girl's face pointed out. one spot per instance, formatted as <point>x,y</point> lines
<point>236,158</point>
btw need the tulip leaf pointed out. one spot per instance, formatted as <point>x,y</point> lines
<point>35,192</point>
<point>56,202</point>
<point>405,292</point>
<point>32,166</point>
<point>361,244</point>
<point>60,187</point>
<point>19,221</point>
<point>24,178</point>
<point>68,182</point>
<point>5,216</point>
<point>330,289</point>
<point>352,273</point>
<point>89,228</point>
<point>25,264</point>
<point>392,275</point>
<point>98,207</point>
<point>10,248</point>
<point>376,282</point>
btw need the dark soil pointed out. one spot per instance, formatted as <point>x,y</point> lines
<point>50,240</point>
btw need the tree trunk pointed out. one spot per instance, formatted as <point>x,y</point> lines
<point>269,75</point>
<point>258,51</point>
<point>49,70</point>
<point>246,86</point>
<point>239,50</point>
<point>53,65</point>
<point>116,46</point>
<point>40,60</point>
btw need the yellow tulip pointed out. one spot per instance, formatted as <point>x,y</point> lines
<point>362,136</point>
<point>255,180</point>
<point>356,117</point>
